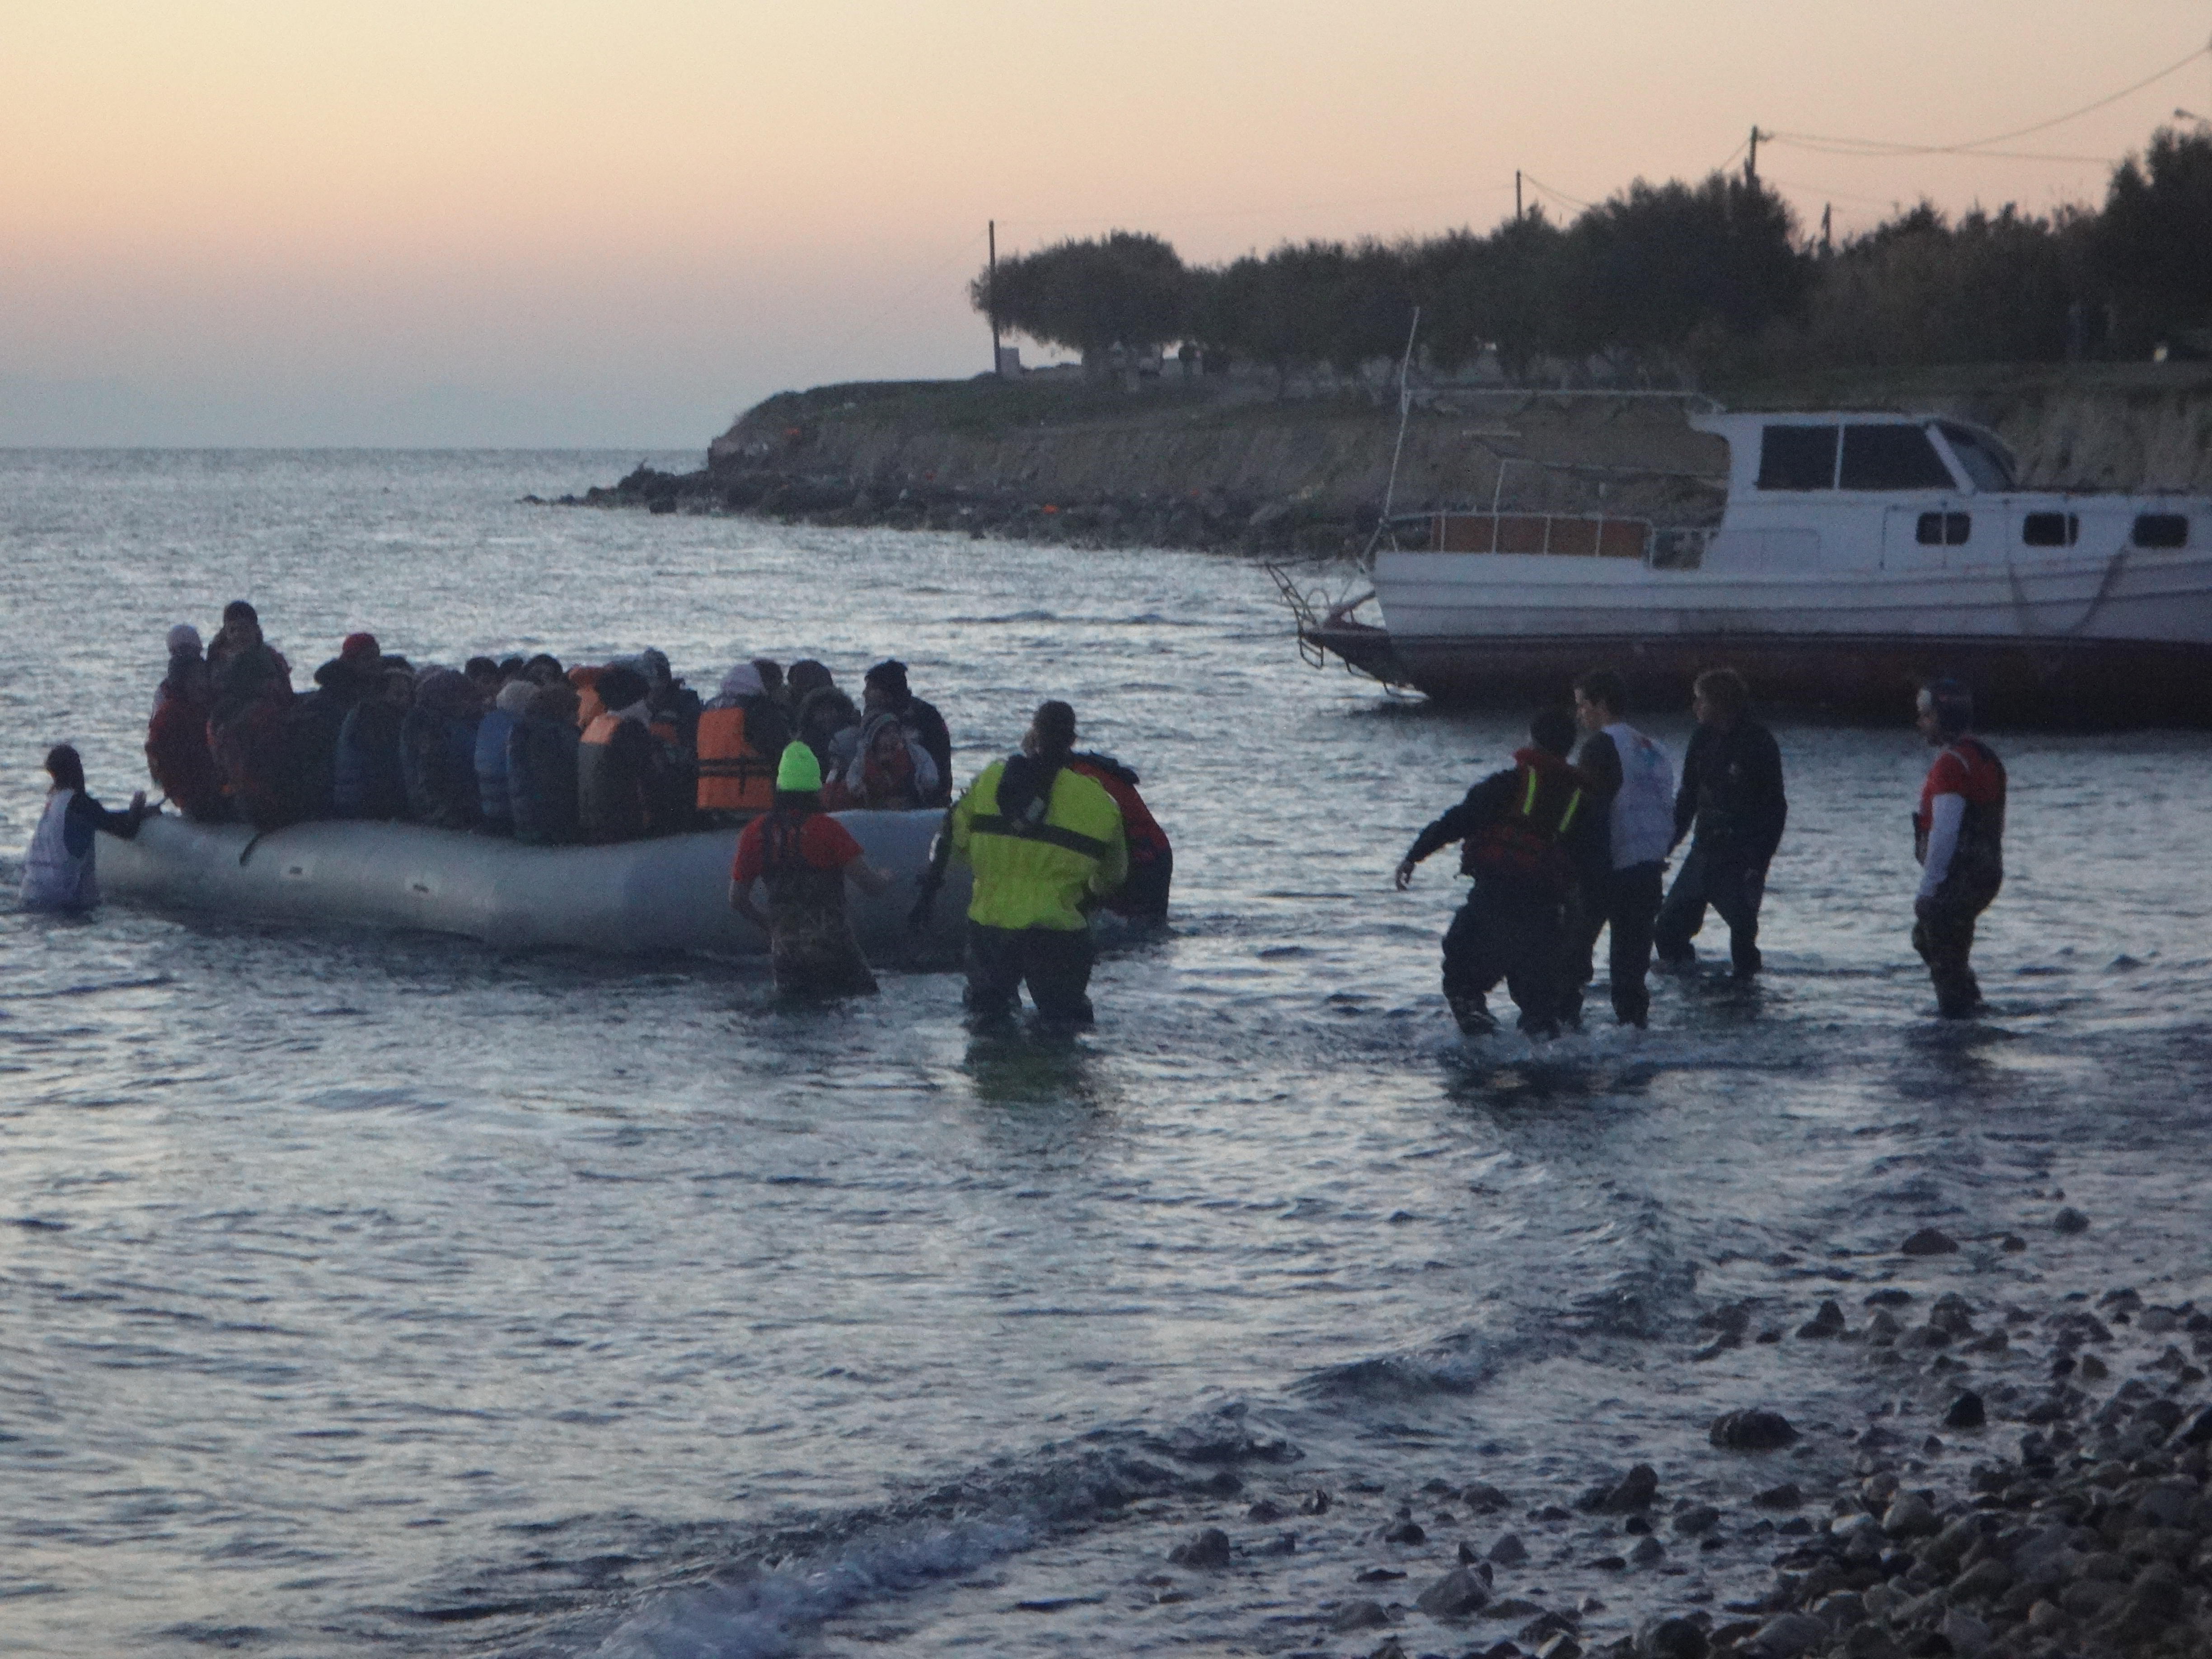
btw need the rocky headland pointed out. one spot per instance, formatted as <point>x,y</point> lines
<point>1232,465</point>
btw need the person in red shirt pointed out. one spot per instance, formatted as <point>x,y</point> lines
<point>802,856</point>
<point>1957,836</point>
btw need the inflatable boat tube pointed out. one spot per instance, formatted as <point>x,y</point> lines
<point>641,897</point>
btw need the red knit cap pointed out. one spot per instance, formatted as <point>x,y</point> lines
<point>357,646</point>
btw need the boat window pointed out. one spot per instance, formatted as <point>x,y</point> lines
<point>2161,530</point>
<point>1797,458</point>
<point>2050,530</point>
<point>1986,464</point>
<point>1891,457</point>
<point>1944,529</point>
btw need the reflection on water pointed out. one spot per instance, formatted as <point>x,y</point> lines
<point>364,1290</point>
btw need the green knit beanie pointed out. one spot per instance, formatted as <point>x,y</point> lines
<point>798,772</point>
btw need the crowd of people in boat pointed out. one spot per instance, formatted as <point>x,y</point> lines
<point>547,752</point>
<point>554,754</point>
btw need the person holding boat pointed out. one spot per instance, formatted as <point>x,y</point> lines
<point>1957,836</point>
<point>804,857</point>
<point>1631,776</point>
<point>1732,795</point>
<point>1523,833</point>
<point>1046,843</point>
<point>58,867</point>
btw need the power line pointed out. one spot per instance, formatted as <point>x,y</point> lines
<point>1884,147</point>
<point>1571,201</point>
<point>1846,148</point>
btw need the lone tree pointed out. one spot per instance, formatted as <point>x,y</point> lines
<point>1129,289</point>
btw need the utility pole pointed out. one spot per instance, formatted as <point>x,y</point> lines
<point>991,280</point>
<point>1516,196</point>
<point>1826,247</point>
<point>1751,162</point>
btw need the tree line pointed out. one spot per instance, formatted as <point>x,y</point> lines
<point>1664,282</point>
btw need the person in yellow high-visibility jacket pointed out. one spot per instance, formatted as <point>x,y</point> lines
<point>1046,843</point>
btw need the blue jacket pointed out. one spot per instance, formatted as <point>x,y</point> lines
<point>491,769</point>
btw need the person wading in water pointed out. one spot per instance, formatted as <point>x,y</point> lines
<point>803,856</point>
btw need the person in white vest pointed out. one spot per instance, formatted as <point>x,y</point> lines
<point>58,869</point>
<point>1633,775</point>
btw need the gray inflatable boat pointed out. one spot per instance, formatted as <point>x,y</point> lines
<point>644,897</point>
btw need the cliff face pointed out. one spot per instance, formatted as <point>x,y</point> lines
<point>1203,464</point>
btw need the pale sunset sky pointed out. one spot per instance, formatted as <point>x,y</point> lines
<point>572,222</point>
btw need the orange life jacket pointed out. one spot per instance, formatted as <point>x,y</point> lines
<point>733,775</point>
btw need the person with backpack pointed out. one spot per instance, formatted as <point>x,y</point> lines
<point>804,857</point>
<point>1957,836</point>
<point>1522,834</point>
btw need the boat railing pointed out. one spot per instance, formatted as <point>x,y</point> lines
<point>1558,535</point>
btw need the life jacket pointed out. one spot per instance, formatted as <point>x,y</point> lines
<point>55,879</point>
<point>1040,853</point>
<point>1521,845</point>
<point>734,777</point>
<point>1977,861</point>
<point>1151,858</point>
<point>792,882</point>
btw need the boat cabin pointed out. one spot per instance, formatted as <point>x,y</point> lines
<point>1881,490</point>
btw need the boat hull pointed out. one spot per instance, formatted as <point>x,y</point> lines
<point>2122,639</point>
<point>2065,683</point>
<point>667,894</point>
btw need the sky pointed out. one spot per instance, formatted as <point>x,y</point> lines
<point>579,223</point>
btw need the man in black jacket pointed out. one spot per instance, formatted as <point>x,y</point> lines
<point>1522,834</point>
<point>1732,793</point>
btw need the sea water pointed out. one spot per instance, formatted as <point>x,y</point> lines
<point>374,1293</point>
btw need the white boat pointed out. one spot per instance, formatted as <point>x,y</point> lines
<point>1858,555</point>
<point>667,894</point>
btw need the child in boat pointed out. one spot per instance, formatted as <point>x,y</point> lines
<point>803,856</point>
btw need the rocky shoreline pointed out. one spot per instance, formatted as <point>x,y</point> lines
<point>1208,521</point>
<point>2080,1525</point>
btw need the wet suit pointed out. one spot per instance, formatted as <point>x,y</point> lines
<point>1732,794</point>
<point>1519,833</point>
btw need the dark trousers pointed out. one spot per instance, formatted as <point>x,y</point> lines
<point>1732,886</point>
<point>1944,939</point>
<point>1627,900</point>
<point>1514,934</point>
<point>1056,962</point>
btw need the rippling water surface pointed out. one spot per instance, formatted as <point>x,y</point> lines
<point>364,1293</point>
